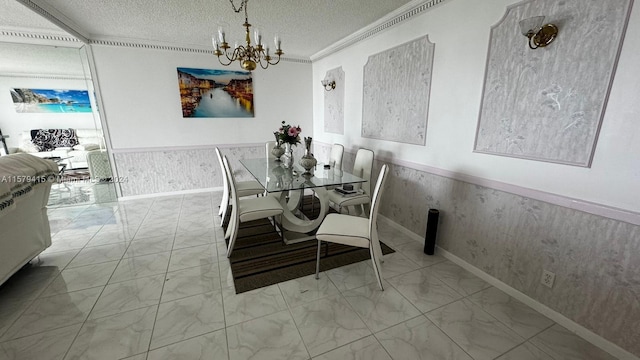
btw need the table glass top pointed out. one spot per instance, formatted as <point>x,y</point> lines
<point>274,177</point>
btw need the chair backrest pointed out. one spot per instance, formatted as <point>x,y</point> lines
<point>362,168</point>
<point>233,195</point>
<point>268,146</point>
<point>335,159</point>
<point>375,199</point>
<point>225,182</point>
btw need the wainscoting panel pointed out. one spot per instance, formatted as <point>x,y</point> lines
<point>396,90</point>
<point>547,104</point>
<point>334,103</point>
<point>512,238</point>
<point>152,171</point>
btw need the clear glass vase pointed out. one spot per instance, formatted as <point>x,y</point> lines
<point>287,158</point>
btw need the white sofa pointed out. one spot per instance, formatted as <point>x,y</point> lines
<point>88,140</point>
<point>25,183</point>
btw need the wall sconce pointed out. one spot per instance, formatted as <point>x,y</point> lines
<point>539,35</point>
<point>328,85</point>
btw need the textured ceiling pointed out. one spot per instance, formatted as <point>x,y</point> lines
<point>31,59</point>
<point>17,17</point>
<point>306,26</point>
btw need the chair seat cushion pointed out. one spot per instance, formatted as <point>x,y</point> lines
<point>344,229</point>
<point>349,200</point>
<point>248,188</point>
<point>258,208</point>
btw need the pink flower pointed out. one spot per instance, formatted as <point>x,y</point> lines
<point>293,131</point>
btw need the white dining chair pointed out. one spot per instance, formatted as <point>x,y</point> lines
<point>359,202</point>
<point>335,159</point>
<point>244,188</point>
<point>356,231</point>
<point>269,145</point>
<point>248,209</point>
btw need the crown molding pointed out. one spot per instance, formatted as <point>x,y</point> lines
<point>172,47</point>
<point>396,17</point>
<point>37,38</point>
<point>44,76</point>
<point>48,12</point>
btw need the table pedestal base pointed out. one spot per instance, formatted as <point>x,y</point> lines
<point>297,226</point>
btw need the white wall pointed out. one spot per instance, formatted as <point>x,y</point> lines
<point>139,89</point>
<point>13,123</point>
<point>460,29</point>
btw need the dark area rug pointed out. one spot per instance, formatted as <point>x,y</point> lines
<point>260,258</point>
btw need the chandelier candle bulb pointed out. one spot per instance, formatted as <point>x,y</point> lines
<point>257,37</point>
<point>276,41</point>
<point>215,43</point>
<point>221,34</point>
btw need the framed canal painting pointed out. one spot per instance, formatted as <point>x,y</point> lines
<point>51,101</point>
<point>215,93</point>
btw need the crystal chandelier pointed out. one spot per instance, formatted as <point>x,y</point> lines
<point>247,55</point>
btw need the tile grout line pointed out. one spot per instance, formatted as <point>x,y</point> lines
<point>97,298</point>
<point>155,320</point>
<point>39,295</point>
<point>294,320</point>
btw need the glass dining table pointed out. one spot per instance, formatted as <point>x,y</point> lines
<point>289,185</point>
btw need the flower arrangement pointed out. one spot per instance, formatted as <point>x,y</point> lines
<point>288,134</point>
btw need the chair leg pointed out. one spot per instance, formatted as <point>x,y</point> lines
<point>318,260</point>
<point>224,203</point>
<point>376,244</point>
<point>233,236</point>
<point>232,223</point>
<point>376,267</point>
<point>224,215</point>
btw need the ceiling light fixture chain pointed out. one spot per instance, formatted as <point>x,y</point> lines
<point>243,4</point>
<point>248,55</point>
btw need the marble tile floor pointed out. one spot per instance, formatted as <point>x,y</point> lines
<point>149,279</point>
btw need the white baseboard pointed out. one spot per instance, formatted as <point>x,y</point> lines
<point>562,320</point>
<point>402,229</point>
<point>172,193</point>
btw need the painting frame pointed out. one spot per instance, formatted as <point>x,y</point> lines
<point>215,93</point>
<point>51,101</point>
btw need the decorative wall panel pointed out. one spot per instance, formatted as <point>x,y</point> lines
<point>334,103</point>
<point>396,90</point>
<point>512,238</point>
<point>151,172</point>
<point>547,104</point>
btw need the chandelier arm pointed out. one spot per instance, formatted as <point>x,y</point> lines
<point>236,54</point>
<point>275,63</point>
<point>261,64</point>
<point>220,60</point>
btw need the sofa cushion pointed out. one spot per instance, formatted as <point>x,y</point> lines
<point>49,139</point>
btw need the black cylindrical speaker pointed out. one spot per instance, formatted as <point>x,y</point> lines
<point>432,229</point>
